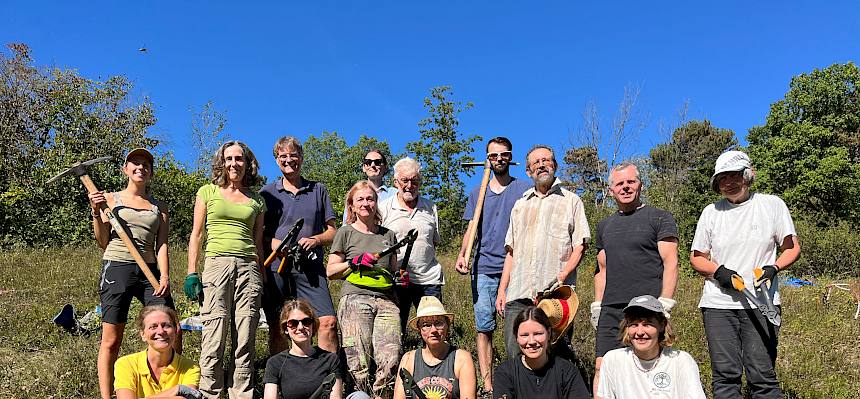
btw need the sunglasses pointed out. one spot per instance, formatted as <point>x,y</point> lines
<point>376,162</point>
<point>496,155</point>
<point>293,323</point>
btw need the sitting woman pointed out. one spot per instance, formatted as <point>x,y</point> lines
<point>536,373</point>
<point>367,312</point>
<point>439,370</point>
<point>158,371</point>
<point>648,366</point>
<point>305,371</point>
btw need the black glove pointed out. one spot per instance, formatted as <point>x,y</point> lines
<point>768,273</point>
<point>723,275</point>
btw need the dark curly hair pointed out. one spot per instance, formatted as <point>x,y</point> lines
<point>252,167</point>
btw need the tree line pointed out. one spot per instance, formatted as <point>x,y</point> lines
<point>807,152</point>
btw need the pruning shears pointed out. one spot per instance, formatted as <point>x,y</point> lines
<point>761,299</point>
<point>288,242</point>
<point>408,239</point>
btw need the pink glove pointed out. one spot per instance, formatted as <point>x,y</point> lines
<point>366,260</point>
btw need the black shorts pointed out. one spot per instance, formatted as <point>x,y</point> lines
<point>607,329</point>
<point>309,284</point>
<point>121,281</point>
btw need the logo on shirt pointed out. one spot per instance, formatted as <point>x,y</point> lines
<point>661,380</point>
<point>436,387</point>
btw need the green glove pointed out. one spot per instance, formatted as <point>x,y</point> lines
<point>193,287</point>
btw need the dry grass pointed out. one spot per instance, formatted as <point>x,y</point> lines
<point>819,355</point>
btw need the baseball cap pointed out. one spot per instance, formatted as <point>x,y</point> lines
<point>143,152</point>
<point>729,161</point>
<point>647,302</point>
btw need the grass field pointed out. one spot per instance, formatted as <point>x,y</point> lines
<point>819,355</point>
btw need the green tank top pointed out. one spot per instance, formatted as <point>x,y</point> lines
<point>143,225</point>
<point>230,226</point>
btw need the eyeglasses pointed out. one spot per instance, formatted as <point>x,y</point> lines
<point>415,181</point>
<point>293,323</point>
<point>439,324</point>
<point>292,155</point>
<point>376,162</point>
<point>503,154</point>
<point>538,162</point>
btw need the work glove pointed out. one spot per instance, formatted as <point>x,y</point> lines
<point>187,392</point>
<point>668,304</point>
<point>193,287</point>
<point>723,275</point>
<point>365,260</point>
<point>767,275</point>
<point>595,313</point>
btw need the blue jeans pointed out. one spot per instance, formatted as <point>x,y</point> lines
<point>741,340</point>
<point>484,290</point>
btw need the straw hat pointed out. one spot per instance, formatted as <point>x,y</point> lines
<point>429,306</point>
<point>560,306</point>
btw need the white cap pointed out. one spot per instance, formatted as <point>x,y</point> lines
<point>729,161</point>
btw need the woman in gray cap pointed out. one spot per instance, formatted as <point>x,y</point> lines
<point>648,366</point>
<point>743,239</point>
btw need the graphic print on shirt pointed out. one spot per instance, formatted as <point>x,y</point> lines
<point>435,387</point>
<point>662,381</point>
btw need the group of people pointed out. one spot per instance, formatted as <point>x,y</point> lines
<point>531,237</point>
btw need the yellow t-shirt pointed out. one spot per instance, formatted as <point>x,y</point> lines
<point>132,372</point>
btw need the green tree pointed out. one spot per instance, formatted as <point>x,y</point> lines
<point>441,149</point>
<point>50,119</point>
<point>330,160</point>
<point>808,151</point>
<point>176,186</point>
<point>682,169</point>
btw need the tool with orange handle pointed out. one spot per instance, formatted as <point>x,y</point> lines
<point>762,301</point>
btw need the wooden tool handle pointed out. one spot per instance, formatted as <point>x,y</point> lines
<point>472,231</point>
<point>120,231</point>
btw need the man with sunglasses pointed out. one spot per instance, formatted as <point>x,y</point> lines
<point>502,191</point>
<point>375,167</point>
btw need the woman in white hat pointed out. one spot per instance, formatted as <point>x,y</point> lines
<point>648,366</point>
<point>122,279</point>
<point>537,372</point>
<point>439,369</point>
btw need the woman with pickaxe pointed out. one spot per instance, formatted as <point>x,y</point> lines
<point>147,221</point>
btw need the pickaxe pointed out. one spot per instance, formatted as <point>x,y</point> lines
<point>472,229</point>
<point>80,169</point>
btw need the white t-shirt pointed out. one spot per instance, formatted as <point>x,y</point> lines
<point>742,237</point>
<point>675,375</point>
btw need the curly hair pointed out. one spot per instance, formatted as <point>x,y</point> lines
<point>252,167</point>
<point>361,184</point>
<point>664,327</point>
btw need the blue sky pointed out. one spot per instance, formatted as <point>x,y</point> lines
<point>364,67</point>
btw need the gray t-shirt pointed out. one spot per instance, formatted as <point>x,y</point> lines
<point>351,243</point>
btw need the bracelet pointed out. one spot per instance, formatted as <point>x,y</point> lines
<point>95,213</point>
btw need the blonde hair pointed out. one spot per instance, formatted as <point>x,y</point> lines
<point>664,327</point>
<point>147,310</point>
<point>360,185</point>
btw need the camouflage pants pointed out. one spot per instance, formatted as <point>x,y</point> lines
<point>370,331</point>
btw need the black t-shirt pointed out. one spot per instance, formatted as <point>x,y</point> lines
<point>298,377</point>
<point>633,263</point>
<point>558,379</point>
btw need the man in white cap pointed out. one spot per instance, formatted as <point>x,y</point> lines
<point>637,254</point>
<point>736,235</point>
<point>648,366</point>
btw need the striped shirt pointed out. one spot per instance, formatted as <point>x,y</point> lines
<point>541,236</point>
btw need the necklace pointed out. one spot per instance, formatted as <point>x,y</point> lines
<point>638,363</point>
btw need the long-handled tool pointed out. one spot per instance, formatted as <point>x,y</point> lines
<point>80,169</point>
<point>286,246</point>
<point>404,263</point>
<point>406,240</point>
<point>764,304</point>
<point>475,223</point>
<point>410,387</point>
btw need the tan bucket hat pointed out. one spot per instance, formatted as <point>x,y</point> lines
<point>560,306</point>
<point>429,306</point>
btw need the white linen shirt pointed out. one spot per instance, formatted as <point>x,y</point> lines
<point>542,235</point>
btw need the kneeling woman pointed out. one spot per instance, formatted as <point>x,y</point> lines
<point>648,366</point>
<point>439,370</point>
<point>367,313</point>
<point>158,371</point>
<point>306,363</point>
<point>537,373</point>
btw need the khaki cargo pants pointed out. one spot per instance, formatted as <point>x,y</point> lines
<point>232,293</point>
<point>370,331</point>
